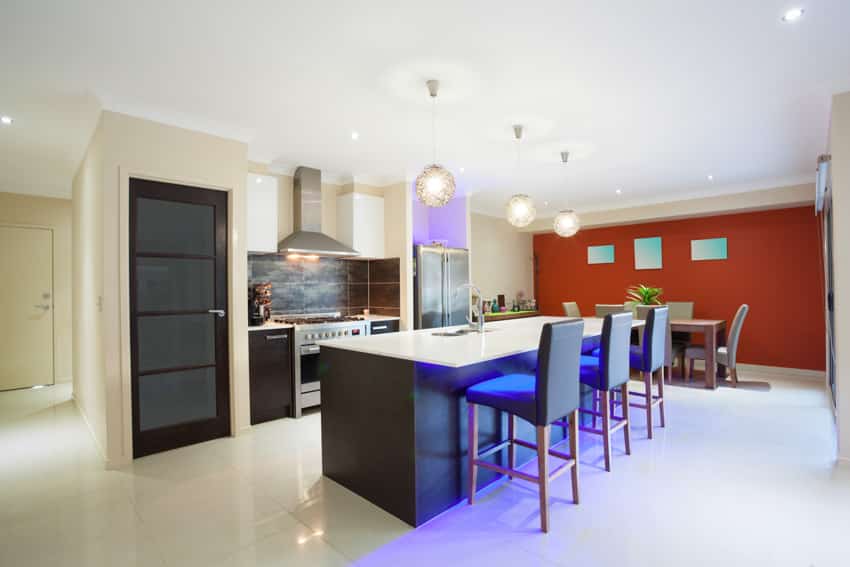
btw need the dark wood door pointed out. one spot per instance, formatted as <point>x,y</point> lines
<point>270,362</point>
<point>178,317</point>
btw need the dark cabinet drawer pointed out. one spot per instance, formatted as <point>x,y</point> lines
<point>270,372</point>
<point>381,327</point>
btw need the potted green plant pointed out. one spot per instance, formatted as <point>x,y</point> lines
<point>642,297</point>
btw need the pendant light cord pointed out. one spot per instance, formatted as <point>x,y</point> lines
<point>434,128</point>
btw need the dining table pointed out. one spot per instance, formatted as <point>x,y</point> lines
<point>714,336</point>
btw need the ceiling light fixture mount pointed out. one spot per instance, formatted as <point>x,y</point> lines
<point>435,186</point>
<point>793,15</point>
<point>6,120</point>
<point>520,208</point>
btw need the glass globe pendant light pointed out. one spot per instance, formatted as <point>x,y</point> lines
<point>566,222</point>
<point>435,186</point>
<point>520,208</point>
<point>521,211</point>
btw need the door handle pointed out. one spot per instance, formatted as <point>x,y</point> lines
<point>276,337</point>
<point>379,327</point>
<point>219,312</point>
<point>43,306</point>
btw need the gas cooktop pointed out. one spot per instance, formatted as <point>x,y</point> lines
<point>318,319</point>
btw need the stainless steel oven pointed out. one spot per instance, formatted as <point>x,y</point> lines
<point>307,349</point>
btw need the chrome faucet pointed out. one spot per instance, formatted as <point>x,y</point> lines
<point>479,326</point>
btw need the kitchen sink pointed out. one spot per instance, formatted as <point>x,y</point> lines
<point>458,332</point>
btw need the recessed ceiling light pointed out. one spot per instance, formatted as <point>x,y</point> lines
<point>259,179</point>
<point>619,191</point>
<point>462,170</point>
<point>355,136</point>
<point>6,120</point>
<point>793,15</point>
<point>710,178</point>
<point>545,203</point>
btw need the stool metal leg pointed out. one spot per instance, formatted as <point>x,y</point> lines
<point>647,385</point>
<point>574,452</point>
<point>606,427</point>
<point>624,392</point>
<point>511,445</point>
<point>472,428</point>
<point>661,397</point>
<point>543,474</point>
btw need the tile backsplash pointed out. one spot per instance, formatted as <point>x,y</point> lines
<point>327,284</point>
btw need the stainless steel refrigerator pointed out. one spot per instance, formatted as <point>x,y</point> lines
<point>438,300</point>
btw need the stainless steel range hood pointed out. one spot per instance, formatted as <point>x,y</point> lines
<point>308,238</point>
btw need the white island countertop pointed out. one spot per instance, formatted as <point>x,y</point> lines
<point>502,338</point>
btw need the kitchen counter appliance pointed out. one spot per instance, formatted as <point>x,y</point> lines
<point>439,299</point>
<point>308,330</point>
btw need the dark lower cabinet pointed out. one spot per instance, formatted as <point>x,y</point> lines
<point>270,363</point>
<point>381,327</point>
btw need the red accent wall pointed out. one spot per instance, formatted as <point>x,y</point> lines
<point>774,264</point>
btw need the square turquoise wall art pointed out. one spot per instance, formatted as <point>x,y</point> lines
<point>648,253</point>
<point>709,249</point>
<point>600,254</point>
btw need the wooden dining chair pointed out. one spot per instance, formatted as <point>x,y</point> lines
<point>679,341</point>
<point>571,309</point>
<point>726,355</point>
<point>603,309</point>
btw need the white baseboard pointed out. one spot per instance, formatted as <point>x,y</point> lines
<point>781,371</point>
<point>778,371</point>
<point>91,429</point>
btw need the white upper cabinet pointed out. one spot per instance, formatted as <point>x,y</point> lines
<point>360,223</point>
<point>262,213</point>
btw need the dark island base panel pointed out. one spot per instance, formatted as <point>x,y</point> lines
<point>394,431</point>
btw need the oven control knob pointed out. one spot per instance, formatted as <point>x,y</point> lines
<point>327,335</point>
<point>346,332</point>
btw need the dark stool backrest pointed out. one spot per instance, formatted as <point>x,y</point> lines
<point>655,339</point>
<point>558,363</point>
<point>614,350</point>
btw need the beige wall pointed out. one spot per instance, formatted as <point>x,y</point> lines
<point>839,143</point>
<point>45,212</point>
<point>87,285</point>
<point>502,257</point>
<point>131,147</point>
<point>774,198</point>
<point>398,235</point>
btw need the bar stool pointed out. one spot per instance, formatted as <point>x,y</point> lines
<point>649,359</point>
<point>607,373</point>
<point>540,399</point>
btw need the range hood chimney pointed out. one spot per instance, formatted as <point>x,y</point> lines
<point>308,238</point>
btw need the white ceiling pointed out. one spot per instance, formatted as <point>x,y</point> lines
<point>650,96</point>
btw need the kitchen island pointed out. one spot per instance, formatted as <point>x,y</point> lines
<point>394,410</point>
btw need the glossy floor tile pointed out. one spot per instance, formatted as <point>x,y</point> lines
<point>739,477</point>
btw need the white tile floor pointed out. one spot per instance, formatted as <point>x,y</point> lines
<point>739,477</point>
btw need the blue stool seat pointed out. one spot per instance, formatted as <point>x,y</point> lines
<point>513,393</point>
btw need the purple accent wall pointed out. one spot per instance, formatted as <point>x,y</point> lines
<point>445,224</point>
